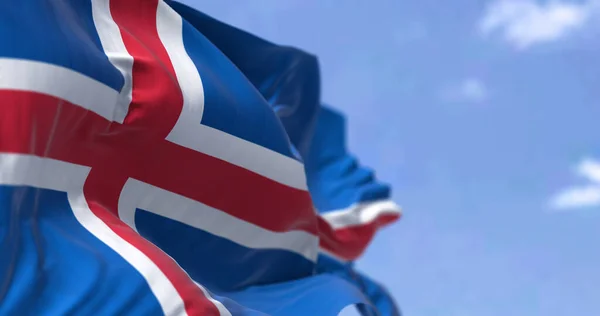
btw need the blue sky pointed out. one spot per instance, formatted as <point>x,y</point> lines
<point>484,117</point>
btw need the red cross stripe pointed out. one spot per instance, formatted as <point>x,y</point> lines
<point>47,126</point>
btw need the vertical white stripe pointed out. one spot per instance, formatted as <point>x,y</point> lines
<point>188,131</point>
<point>45,173</point>
<point>114,48</point>
<point>129,201</point>
<point>170,30</point>
<point>220,307</point>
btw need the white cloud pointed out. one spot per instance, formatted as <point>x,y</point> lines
<point>469,89</point>
<point>577,197</point>
<point>581,196</point>
<point>589,168</point>
<point>524,23</point>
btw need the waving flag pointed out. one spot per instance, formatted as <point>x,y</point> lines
<point>143,169</point>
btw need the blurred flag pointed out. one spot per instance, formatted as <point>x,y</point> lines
<point>144,171</point>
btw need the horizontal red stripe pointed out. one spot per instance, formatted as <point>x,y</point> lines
<point>33,123</point>
<point>67,132</point>
<point>349,243</point>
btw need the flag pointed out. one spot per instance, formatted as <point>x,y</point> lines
<point>145,170</point>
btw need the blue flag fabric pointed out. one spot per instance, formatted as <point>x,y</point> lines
<point>151,163</point>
